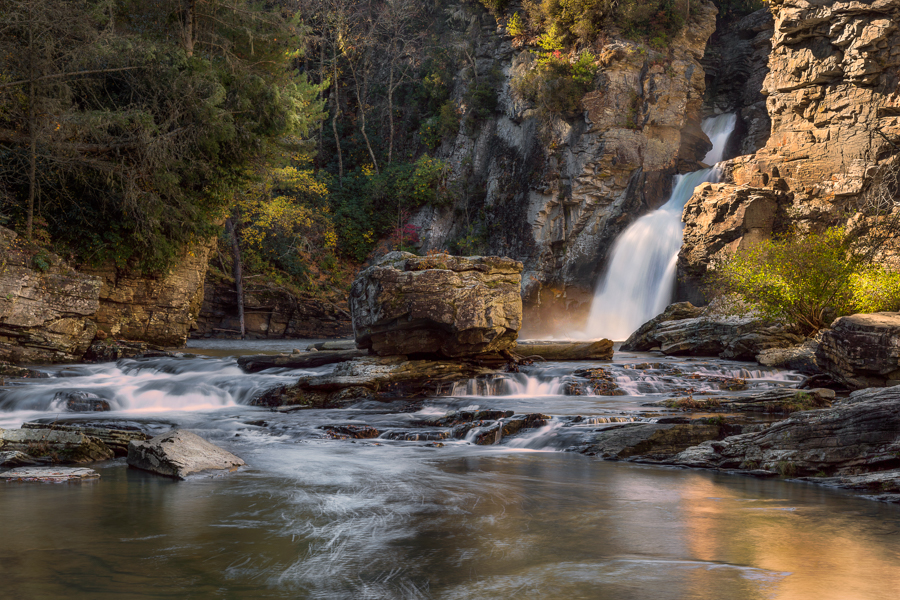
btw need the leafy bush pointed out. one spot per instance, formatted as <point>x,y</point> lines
<point>555,85</point>
<point>806,280</point>
<point>516,25</point>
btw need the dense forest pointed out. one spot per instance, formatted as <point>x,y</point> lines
<point>311,129</point>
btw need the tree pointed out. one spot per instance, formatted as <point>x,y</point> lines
<point>140,139</point>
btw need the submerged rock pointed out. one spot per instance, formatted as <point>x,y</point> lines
<point>440,305</point>
<point>297,360</point>
<point>180,453</point>
<point>78,401</point>
<point>50,474</point>
<point>683,329</point>
<point>862,350</point>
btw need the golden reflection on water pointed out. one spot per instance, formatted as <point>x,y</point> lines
<point>377,523</point>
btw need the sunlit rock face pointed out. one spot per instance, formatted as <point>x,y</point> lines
<point>555,194</point>
<point>46,307</point>
<point>439,305</point>
<point>157,308</point>
<point>862,350</point>
<point>831,94</point>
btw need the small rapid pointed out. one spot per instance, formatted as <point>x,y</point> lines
<point>144,385</point>
<point>640,277</point>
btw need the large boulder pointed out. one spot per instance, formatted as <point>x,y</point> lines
<point>180,453</point>
<point>683,329</point>
<point>862,350</point>
<point>438,305</point>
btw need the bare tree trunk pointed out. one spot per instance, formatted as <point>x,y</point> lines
<point>337,111</point>
<point>32,135</point>
<point>238,284</point>
<point>189,25</point>
<point>362,124</point>
<point>391,115</point>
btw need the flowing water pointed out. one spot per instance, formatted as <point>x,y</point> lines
<point>401,516</point>
<point>640,278</point>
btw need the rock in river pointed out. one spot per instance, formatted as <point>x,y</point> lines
<point>862,350</point>
<point>50,474</point>
<point>180,453</point>
<point>444,305</point>
<point>55,445</point>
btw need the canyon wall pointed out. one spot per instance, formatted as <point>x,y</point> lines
<point>555,193</point>
<point>832,96</point>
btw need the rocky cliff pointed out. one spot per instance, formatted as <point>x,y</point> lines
<point>555,193</point>
<point>51,312</point>
<point>46,307</point>
<point>831,93</point>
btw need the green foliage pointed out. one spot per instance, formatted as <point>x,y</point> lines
<point>516,25</point>
<point>555,85</point>
<point>876,289</point>
<point>368,205</point>
<point>495,7</point>
<point>806,280</point>
<point>144,155</point>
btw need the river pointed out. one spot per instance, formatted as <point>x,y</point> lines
<point>313,517</point>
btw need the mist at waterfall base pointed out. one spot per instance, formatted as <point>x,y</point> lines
<point>640,278</point>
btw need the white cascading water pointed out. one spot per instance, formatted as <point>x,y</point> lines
<point>639,281</point>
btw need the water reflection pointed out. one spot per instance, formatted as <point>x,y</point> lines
<point>342,520</point>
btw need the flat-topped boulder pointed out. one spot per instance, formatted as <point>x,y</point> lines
<point>442,305</point>
<point>552,350</point>
<point>180,453</point>
<point>862,350</point>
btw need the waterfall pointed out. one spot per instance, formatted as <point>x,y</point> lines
<point>639,281</point>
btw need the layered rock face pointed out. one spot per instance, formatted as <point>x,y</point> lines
<point>445,305</point>
<point>270,313</point>
<point>556,194</point>
<point>46,307</point>
<point>831,93</point>
<point>862,350</point>
<point>858,435</point>
<point>159,309</point>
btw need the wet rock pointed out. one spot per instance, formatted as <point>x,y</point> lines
<point>115,437</point>
<point>417,436</point>
<point>650,441</point>
<point>597,350</point>
<point>180,453</point>
<point>883,486</point>
<point>14,458</point>
<point>862,350</point>
<point>857,435</point>
<point>801,357</point>
<point>333,345</point>
<point>344,432</point>
<point>516,423</point>
<point>299,360</point>
<point>110,350</point>
<point>55,445</point>
<point>709,333</point>
<point>10,370</point>
<point>464,416</point>
<point>438,305</point>
<point>50,474</point>
<point>777,401</point>
<point>78,401</point>
<point>486,434</point>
